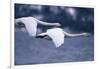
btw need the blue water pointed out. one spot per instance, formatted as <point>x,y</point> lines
<point>30,50</point>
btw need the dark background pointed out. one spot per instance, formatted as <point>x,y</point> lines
<point>30,50</point>
<point>82,21</point>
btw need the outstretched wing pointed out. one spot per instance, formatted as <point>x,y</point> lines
<point>30,25</point>
<point>31,28</point>
<point>57,36</point>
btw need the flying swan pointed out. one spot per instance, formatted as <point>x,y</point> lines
<point>31,24</point>
<point>57,35</point>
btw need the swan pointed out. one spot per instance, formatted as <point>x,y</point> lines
<point>31,24</point>
<point>57,35</point>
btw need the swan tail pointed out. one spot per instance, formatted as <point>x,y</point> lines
<point>17,20</point>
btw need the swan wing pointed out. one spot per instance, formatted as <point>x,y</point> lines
<point>31,25</point>
<point>57,36</point>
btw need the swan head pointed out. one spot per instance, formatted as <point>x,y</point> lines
<point>86,34</point>
<point>57,24</point>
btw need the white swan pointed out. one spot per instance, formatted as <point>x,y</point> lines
<point>57,35</point>
<point>31,24</point>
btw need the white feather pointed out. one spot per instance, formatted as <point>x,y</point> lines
<point>56,34</point>
<point>30,24</point>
